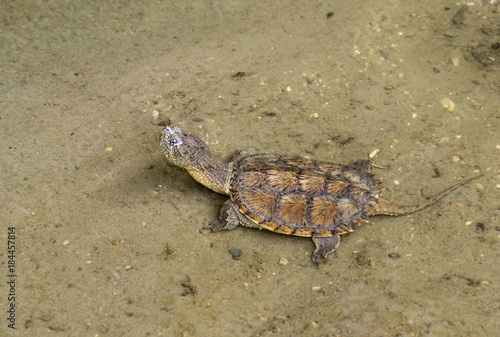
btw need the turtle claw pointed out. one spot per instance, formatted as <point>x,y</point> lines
<point>215,226</point>
<point>324,247</point>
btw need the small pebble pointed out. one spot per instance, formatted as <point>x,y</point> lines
<point>373,153</point>
<point>448,104</point>
<point>236,253</point>
<point>283,261</point>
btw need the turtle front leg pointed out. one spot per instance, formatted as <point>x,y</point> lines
<point>324,247</point>
<point>229,218</point>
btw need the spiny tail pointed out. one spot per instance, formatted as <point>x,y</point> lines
<point>385,207</point>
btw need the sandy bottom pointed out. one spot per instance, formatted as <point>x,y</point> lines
<point>107,236</point>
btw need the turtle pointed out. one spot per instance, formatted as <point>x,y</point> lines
<point>286,194</point>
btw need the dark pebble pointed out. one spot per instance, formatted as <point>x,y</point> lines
<point>391,295</point>
<point>394,255</point>
<point>480,227</point>
<point>236,253</point>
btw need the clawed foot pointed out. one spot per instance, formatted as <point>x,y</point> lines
<point>214,226</point>
<point>324,247</point>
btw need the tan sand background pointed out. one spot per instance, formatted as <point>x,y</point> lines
<point>108,238</point>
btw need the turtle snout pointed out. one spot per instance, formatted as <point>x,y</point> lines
<point>171,138</point>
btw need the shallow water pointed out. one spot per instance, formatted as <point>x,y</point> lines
<point>108,238</point>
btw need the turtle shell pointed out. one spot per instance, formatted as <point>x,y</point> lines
<point>298,196</point>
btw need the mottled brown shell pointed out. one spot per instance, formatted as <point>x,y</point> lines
<point>297,196</point>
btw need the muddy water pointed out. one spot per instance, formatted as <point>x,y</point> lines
<point>107,236</point>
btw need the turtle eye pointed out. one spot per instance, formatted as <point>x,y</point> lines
<point>175,142</point>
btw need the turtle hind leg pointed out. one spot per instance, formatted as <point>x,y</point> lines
<point>385,207</point>
<point>229,218</point>
<point>324,247</point>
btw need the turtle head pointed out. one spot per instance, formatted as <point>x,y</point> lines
<point>191,153</point>
<point>184,149</point>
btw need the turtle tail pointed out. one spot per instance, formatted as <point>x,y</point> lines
<point>385,207</point>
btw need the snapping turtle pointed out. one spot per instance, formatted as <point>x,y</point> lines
<point>288,195</point>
